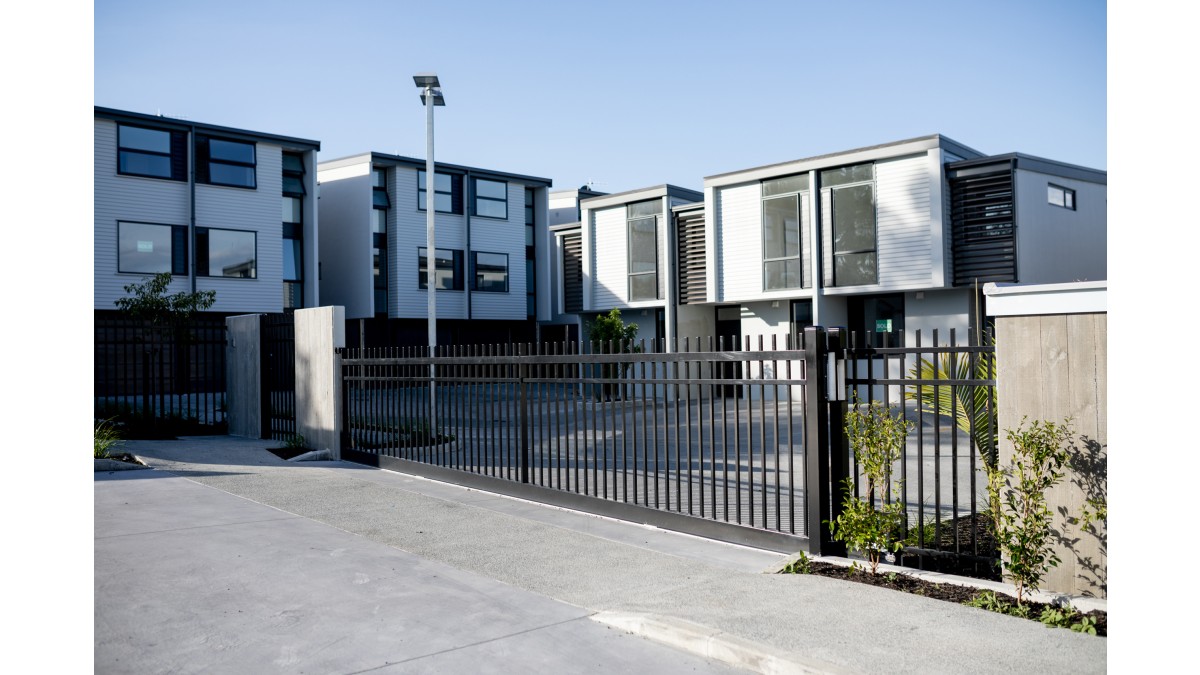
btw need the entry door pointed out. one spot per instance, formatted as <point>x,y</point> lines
<point>729,326</point>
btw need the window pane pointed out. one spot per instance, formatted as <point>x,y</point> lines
<point>292,163</point>
<point>379,178</point>
<point>854,269</point>
<point>530,280</point>
<point>491,189</point>
<point>847,174</point>
<point>779,186</point>
<point>652,207</point>
<point>152,140</point>
<point>292,249</point>
<point>529,235</point>
<point>379,199</point>
<point>291,210</point>
<point>144,248</point>
<point>643,247</point>
<point>446,270</point>
<point>441,181</point>
<point>231,151</point>
<point>491,272</point>
<point>231,254</point>
<point>379,221</point>
<point>854,219</point>
<point>1069,198</point>
<point>781,227</point>
<point>293,295</point>
<point>489,208</point>
<point>229,174</point>
<point>293,185</point>
<point>781,274</point>
<point>443,203</point>
<point>643,287</point>
<point>145,165</point>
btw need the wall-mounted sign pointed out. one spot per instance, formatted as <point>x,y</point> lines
<point>883,325</point>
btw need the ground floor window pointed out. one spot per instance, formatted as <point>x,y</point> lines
<point>226,253</point>
<point>878,320</point>
<point>448,269</point>
<point>150,248</point>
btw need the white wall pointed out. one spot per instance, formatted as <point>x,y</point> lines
<point>940,310</point>
<point>1058,245</point>
<point>345,239</point>
<point>739,242</point>
<point>609,255</point>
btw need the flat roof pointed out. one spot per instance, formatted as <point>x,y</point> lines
<point>1039,164</point>
<point>399,160</point>
<point>648,192</point>
<point>183,125</point>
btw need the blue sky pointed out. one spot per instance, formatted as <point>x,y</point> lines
<point>623,94</point>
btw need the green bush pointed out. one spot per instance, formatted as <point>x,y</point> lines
<point>878,440</point>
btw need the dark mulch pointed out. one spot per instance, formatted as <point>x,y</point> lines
<point>125,457</point>
<point>947,592</point>
<point>968,535</point>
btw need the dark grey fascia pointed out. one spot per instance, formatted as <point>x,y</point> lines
<point>639,194</point>
<point>864,154</point>
<point>1030,163</point>
<point>288,142</point>
<point>384,159</point>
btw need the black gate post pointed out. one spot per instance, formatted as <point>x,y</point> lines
<point>839,445</point>
<point>824,439</point>
<point>523,409</point>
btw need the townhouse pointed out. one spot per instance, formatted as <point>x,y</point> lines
<point>373,250</point>
<point>883,240</point>
<point>222,209</point>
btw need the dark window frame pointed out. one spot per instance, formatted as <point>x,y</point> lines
<point>456,267</point>
<point>176,142</point>
<point>833,192</point>
<point>476,198</point>
<point>795,187</point>
<point>630,221</point>
<point>202,256</point>
<point>178,237</point>
<point>475,276</point>
<point>455,190</point>
<point>205,162</point>
<point>1068,196</point>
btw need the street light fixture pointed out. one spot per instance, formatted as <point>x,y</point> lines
<point>431,95</point>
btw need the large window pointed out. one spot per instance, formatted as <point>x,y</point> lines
<point>852,199</point>
<point>225,162</point>
<point>783,199</point>
<point>293,230</point>
<point>491,198</point>
<point>448,269</point>
<point>226,253</point>
<point>149,248</point>
<point>154,153</point>
<point>489,272</point>
<point>447,189</point>
<point>642,220</point>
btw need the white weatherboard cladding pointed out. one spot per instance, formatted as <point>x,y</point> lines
<point>739,241</point>
<point>345,243</point>
<point>127,198</point>
<point>249,210</point>
<point>610,280</point>
<point>491,235</point>
<point>406,234</point>
<point>902,211</point>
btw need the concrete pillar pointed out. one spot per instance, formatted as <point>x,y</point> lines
<point>243,376</point>
<point>319,331</point>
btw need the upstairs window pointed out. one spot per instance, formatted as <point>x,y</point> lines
<point>1061,196</point>
<point>783,200</point>
<point>293,174</point>
<point>225,162</point>
<point>447,190</point>
<point>642,221</point>
<point>379,193</point>
<point>491,199</point>
<point>153,153</point>
<point>852,201</point>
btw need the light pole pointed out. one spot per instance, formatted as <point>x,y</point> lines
<point>431,95</point>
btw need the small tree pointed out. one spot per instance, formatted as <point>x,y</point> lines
<point>615,337</point>
<point>1039,455</point>
<point>149,301</point>
<point>878,442</point>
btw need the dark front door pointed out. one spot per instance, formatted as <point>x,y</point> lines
<point>729,325</point>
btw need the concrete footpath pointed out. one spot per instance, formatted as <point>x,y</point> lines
<point>224,558</point>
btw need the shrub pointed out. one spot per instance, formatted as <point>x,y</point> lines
<point>878,441</point>
<point>104,439</point>
<point>613,336</point>
<point>1024,519</point>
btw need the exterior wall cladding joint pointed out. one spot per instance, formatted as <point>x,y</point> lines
<point>207,204</point>
<point>888,239</point>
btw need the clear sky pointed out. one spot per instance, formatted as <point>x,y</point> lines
<point>622,94</point>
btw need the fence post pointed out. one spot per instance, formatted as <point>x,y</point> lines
<point>523,410</point>
<point>824,462</point>
<point>839,444</point>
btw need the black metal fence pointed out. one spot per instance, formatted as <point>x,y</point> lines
<point>671,433</point>
<point>278,349</point>
<point>743,444</point>
<point>947,391</point>
<point>160,372</point>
